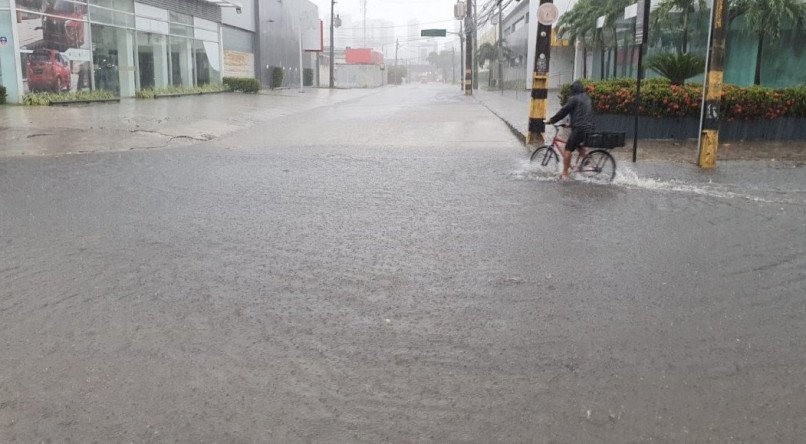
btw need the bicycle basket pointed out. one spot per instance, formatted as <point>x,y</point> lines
<point>604,140</point>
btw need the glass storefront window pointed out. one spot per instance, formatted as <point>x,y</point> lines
<point>112,12</point>
<point>152,57</point>
<point>113,57</point>
<point>208,66</point>
<point>54,46</point>
<point>181,62</point>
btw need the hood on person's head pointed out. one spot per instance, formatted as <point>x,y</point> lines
<point>577,87</point>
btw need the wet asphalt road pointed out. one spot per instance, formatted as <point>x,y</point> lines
<point>388,269</point>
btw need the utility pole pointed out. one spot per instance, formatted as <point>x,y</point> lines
<point>470,29</point>
<point>397,72</point>
<point>453,65</point>
<point>712,91</point>
<point>546,16</point>
<point>332,18</point>
<point>500,46</point>
<point>301,69</point>
<point>474,42</point>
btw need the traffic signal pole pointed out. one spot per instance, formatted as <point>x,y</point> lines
<point>712,91</point>
<point>540,82</point>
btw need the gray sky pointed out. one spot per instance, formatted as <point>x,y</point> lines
<point>398,11</point>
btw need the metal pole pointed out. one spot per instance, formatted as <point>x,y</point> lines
<point>474,42</point>
<point>301,69</point>
<point>540,83</point>
<point>332,7</point>
<point>397,72</point>
<point>712,91</point>
<point>453,65</point>
<point>644,36</point>
<point>461,54</point>
<point>501,46</point>
<point>469,27</point>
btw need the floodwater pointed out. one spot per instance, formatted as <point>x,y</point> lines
<point>387,268</point>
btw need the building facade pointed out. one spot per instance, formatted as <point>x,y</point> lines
<point>281,25</point>
<point>239,39</point>
<point>116,45</point>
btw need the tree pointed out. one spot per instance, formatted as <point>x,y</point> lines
<point>677,67</point>
<point>579,26</point>
<point>444,61</point>
<point>488,52</point>
<point>687,8</point>
<point>765,18</point>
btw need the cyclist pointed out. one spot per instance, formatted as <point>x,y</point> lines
<point>581,111</point>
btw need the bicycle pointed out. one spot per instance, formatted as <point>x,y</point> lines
<point>597,165</point>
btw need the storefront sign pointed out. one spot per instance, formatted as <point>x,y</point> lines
<point>239,64</point>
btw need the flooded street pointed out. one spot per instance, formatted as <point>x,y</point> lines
<point>390,268</point>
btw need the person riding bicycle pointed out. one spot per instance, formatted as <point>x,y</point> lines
<point>581,110</point>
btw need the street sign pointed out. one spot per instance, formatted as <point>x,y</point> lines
<point>547,14</point>
<point>459,10</point>
<point>631,11</point>
<point>433,33</point>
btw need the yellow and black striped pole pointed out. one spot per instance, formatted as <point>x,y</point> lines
<point>540,83</point>
<point>712,91</point>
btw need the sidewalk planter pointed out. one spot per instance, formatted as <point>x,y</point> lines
<point>178,92</point>
<point>681,128</point>
<point>167,95</point>
<point>672,112</point>
<point>82,102</point>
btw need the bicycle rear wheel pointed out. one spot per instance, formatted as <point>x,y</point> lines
<point>545,160</point>
<point>598,166</point>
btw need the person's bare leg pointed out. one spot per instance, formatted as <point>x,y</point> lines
<point>566,163</point>
<point>581,153</point>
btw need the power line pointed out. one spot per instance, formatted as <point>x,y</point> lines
<point>398,26</point>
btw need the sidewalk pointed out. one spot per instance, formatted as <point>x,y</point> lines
<point>513,108</point>
<point>142,124</point>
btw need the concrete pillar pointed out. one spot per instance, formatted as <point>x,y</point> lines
<point>126,67</point>
<point>186,62</point>
<point>159,50</point>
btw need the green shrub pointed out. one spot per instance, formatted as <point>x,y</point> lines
<point>177,90</point>
<point>307,77</point>
<point>276,76</point>
<point>677,67</point>
<point>246,85</point>
<point>660,98</point>
<point>46,98</point>
<point>2,94</point>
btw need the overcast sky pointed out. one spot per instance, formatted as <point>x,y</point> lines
<point>398,11</point>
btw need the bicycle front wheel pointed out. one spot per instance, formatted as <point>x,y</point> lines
<point>545,160</point>
<point>598,166</point>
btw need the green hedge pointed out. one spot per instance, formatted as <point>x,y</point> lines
<point>662,99</point>
<point>46,98</point>
<point>2,94</point>
<point>251,86</point>
<point>151,93</point>
<point>307,76</point>
<point>276,76</point>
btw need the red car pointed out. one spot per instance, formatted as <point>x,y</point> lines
<point>48,70</point>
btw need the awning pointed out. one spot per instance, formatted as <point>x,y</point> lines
<point>226,3</point>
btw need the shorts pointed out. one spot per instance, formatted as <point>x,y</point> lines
<point>576,139</point>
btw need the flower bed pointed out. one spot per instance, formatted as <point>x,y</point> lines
<point>662,99</point>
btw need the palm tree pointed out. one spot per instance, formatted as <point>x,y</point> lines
<point>765,18</point>
<point>579,25</point>
<point>613,11</point>
<point>687,8</point>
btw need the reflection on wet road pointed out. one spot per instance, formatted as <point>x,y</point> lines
<point>389,268</point>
